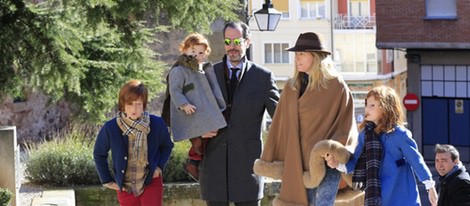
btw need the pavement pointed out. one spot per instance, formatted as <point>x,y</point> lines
<point>55,197</point>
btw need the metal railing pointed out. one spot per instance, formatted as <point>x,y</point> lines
<point>354,22</point>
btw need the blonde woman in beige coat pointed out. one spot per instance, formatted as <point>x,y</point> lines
<point>315,105</point>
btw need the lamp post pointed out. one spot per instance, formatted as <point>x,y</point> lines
<point>267,18</point>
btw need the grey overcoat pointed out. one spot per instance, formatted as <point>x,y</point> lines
<point>226,170</point>
<point>199,88</point>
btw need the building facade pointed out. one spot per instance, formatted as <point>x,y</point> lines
<point>434,35</point>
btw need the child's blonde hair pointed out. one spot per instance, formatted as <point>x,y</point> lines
<point>195,39</point>
<point>320,72</point>
<point>390,105</point>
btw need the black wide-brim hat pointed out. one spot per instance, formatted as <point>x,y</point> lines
<point>310,42</point>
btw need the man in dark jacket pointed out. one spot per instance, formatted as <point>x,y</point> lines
<point>226,170</point>
<point>454,180</point>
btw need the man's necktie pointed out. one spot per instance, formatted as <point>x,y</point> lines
<point>233,83</point>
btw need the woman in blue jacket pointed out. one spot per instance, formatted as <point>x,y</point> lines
<point>386,158</point>
<point>140,146</point>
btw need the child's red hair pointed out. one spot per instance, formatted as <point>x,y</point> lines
<point>390,105</point>
<point>133,90</point>
<point>195,39</point>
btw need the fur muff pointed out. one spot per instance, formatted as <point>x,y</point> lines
<point>279,202</point>
<point>269,169</point>
<point>317,167</point>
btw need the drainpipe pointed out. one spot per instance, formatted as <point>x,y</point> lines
<point>332,28</point>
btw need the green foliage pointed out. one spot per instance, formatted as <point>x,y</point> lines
<point>85,50</point>
<point>65,160</point>
<point>191,15</point>
<point>188,15</point>
<point>174,169</point>
<point>5,196</point>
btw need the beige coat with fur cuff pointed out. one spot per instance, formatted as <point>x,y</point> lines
<point>299,124</point>
<point>314,176</point>
<point>317,168</point>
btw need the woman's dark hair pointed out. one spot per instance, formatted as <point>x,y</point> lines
<point>239,25</point>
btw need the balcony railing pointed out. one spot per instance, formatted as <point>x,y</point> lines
<point>354,22</point>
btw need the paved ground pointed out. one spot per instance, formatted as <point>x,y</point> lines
<point>27,191</point>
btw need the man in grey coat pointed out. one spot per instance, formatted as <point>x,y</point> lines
<point>226,170</point>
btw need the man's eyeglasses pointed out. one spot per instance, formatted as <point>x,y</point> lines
<point>237,42</point>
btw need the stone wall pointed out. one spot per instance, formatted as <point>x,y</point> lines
<point>175,194</point>
<point>35,118</point>
<point>187,194</point>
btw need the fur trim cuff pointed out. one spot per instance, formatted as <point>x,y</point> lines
<point>317,169</point>
<point>273,169</point>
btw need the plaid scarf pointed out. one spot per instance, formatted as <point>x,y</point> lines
<point>137,170</point>
<point>366,173</point>
<point>136,130</point>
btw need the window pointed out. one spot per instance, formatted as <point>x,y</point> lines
<point>311,9</point>
<point>359,104</point>
<point>359,8</point>
<point>371,62</point>
<point>359,15</point>
<point>275,53</point>
<point>445,81</point>
<point>441,9</point>
<point>359,98</point>
<point>285,15</point>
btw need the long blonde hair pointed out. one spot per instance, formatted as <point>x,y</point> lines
<point>320,72</point>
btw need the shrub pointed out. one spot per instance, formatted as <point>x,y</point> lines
<point>174,168</point>
<point>5,196</point>
<point>65,160</point>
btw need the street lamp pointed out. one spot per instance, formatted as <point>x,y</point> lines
<point>267,18</point>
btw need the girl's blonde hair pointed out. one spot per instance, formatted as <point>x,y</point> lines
<point>195,39</point>
<point>390,105</point>
<point>320,72</point>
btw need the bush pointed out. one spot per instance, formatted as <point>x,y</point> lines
<point>174,168</point>
<point>65,160</point>
<point>5,197</point>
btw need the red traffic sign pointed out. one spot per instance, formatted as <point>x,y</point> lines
<point>411,102</point>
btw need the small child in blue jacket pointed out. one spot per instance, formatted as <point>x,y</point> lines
<point>386,158</point>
